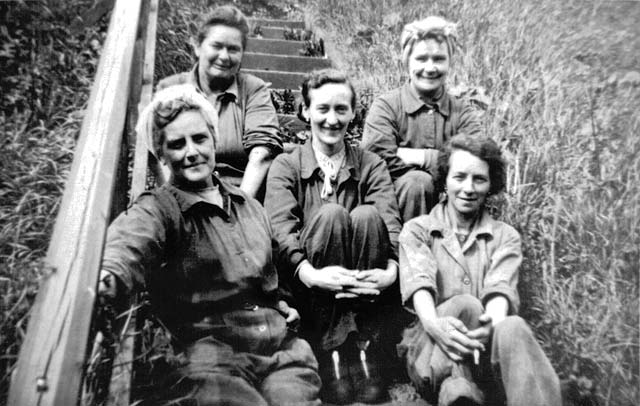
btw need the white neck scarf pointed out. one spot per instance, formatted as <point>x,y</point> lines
<point>330,166</point>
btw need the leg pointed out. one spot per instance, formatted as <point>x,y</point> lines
<point>326,237</point>
<point>294,378</point>
<point>427,364</point>
<point>527,375</point>
<point>370,243</point>
<point>214,375</point>
<point>415,193</point>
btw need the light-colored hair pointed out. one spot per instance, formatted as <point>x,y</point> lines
<point>166,105</point>
<point>432,27</point>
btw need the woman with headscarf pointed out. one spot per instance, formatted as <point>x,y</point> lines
<point>248,124</point>
<point>204,251</point>
<point>409,125</point>
<point>458,274</point>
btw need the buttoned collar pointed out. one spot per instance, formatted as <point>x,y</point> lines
<point>412,102</point>
<point>309,163</point>
<point>187,200</point>
<point>231,92</point>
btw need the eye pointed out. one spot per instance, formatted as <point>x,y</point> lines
<point>342,109</point>
<point>176,144</point>
<point>322,108</point>
<point>200,138</point>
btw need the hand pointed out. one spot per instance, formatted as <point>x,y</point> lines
<point>290,314</point>
<point>484,332</point>
<point>380,278</point>
<point>107,287</point>
<point>450,334</point>
<point>332,278</point>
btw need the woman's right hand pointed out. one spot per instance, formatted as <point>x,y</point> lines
<point>450,334</point>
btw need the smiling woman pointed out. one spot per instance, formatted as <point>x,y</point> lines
<point>248,126</point>
<point>408,126</point>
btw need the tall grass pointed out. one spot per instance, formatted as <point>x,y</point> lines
<point>47,63</point>
<point>564,110</point>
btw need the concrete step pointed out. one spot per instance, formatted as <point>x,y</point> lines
<point>266,22</point>
<point>287,63</point>
<point>279,79</point>
<point>275,46</point>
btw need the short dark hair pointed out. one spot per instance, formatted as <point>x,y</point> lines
<point>225,15</point>
<point>484,148</point>
<point>317,78</point>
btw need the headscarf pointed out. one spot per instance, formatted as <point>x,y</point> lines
<point>430,27</point>
<point>166,105</point>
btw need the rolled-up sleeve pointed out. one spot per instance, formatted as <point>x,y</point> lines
<point>418,265</point>
<point>284,211</point>
<point>261,126</point>
<point>502,275</point>
<point>135,242</point>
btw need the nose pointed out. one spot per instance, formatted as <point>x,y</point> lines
<point>468,186</point>
<point>191,151</point>
<point>332,118</point>
<point>223,53</point>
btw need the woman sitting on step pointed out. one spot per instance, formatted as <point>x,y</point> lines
<point>335,217</point>
<point>458,273</point>
<point>248,124</point>
<point>204,251</point>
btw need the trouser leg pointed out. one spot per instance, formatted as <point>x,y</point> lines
<point>293,377</point>
<point>415,193</point>
<point>526,373</point>
<point>427,364</point>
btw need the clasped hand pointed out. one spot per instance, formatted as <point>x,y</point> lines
<point>455,339</point>
<point>347,283</point>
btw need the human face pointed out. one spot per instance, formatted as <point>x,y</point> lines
<point>188,149</point>
<point>468,184</point>
<point>329,112</point>
<point>428,67</point>
<point>219,54</point>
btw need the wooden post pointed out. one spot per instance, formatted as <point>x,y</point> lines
<point>51,363</point>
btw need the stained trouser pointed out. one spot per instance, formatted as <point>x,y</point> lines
<point>515,368</point>
<point>415,194</point>
<point>250,358</point>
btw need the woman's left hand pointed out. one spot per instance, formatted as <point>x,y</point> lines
<point>484,332</point>
<point>291,315</point>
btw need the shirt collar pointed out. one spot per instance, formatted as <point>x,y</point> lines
<point>230,91</point>
<point>188,200</point>
<point>442,224</point>
<point>412,102</point>
<point>309,164</point>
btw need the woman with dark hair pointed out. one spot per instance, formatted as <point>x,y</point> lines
<point>248,124</point>
<point>458,274</point>
<point>204,251</point>
<point>409,125</point>
<point>335,217</point>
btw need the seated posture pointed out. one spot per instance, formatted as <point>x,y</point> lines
<point>248,124</point>
<point>204,251</point>
<point>458,273</point>
<point>409,125</point>
<point>335,217</point>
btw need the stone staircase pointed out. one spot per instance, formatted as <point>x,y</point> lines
<point>280,61</point>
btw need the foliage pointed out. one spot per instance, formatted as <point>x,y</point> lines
<point>559,89</point>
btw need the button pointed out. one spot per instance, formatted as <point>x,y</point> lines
<point>262,329</point>
<point>246,259</point>
<point>466,281</point>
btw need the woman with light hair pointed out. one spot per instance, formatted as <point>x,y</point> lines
<point>205,252</point>
<point>409,125</point>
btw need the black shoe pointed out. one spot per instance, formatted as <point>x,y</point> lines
<point>369,384</point>
<point>336,382</point>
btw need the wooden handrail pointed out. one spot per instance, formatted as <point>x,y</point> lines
<point>51,362</point>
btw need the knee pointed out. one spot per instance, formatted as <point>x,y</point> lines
<point>333,213</point>
<point>467,303</point>
<point>513,329</point>
<point>364,214</point>
<point>415,183</point>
